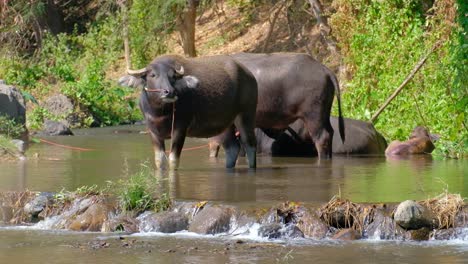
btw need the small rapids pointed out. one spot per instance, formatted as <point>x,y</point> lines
<point>289,223</point>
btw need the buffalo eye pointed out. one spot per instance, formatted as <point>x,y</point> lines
<point>152,74</point>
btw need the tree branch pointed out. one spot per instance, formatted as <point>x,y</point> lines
<point>405,82</point>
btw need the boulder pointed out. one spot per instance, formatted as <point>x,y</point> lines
<point>92,219</point>
<point>12,103</point>
<point>38,204</point>
<point>212,220</point>
<point>121,223</point>
<point>62,107</point>
<point>165,222</point>
<point>312,226</point>
<point>383,227</point>
<point>277,230</point>
<point>292,231</point>
<point>271,231</point>
<point>190,209</point>
<point>59,105</point>
<point>449,234</point>
<point>347,234</point>
<point>411,216</point>
<point>461,219</point>
<point>421,234</point>
<point>20,145</point>
<point>54,128</point>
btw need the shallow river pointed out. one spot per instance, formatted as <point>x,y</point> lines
<point>119,151</point>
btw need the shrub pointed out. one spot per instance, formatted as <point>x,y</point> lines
<point>139,192</point>
<point>10,128</point>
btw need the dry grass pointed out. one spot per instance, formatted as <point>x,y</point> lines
<point>342,210</point>
<point>14,202</point>
<point>445,207</point>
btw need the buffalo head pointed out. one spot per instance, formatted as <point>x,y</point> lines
<point>164,77</point>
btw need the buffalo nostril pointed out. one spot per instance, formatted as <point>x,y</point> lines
<point>165,92</point>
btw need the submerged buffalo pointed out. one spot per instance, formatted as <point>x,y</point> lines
<point>420,142</point>
<point>294,86</point>
<point>295,141</point>
<point>197,97</point>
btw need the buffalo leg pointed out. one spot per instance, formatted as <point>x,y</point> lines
<point>321,132</point>
<point>214,148</point>
<point>177,140</point>
<point>245,125</point>
<point>231,147</point>
<point>160,159</point>
<point>214,144</point>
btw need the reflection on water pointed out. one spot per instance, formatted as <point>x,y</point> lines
<point>116,155</point>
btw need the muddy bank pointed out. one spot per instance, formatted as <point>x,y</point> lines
<point>441,218</point>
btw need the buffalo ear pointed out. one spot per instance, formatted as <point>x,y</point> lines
<point>191,81</point>
<point>132,81</point>
<point>179,69</point>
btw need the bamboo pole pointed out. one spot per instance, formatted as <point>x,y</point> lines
<point>405,82</point>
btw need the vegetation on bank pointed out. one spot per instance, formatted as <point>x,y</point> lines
<point>382,42</point>
<point>9,129</point>
<point>379,41</point>
<point>137,192</point>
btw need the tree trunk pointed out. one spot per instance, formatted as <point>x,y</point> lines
<point>186,24</point>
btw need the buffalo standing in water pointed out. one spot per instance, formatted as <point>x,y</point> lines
<point>295,141</point>
<point>197,97</point>
<point>294,86</point>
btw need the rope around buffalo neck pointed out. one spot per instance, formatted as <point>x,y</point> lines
<point>172,125</point>
<point>173,113</point>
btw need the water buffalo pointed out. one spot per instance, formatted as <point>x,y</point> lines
<point>295,141</point>
<point>197,97</point>
<point>294,86</point>
<point>420,142</point>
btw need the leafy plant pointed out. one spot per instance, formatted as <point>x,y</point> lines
<point>10,128</point>
<point>36,118</point>
<point>139,192</point>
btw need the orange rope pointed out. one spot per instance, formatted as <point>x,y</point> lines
<point>88,149</point>
<point>65,146</point>
<point>194,148</point>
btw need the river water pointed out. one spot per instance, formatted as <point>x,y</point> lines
<point>117,152</point>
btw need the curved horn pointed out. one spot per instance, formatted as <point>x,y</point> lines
<point>139,72</point>
<point>179,70</point>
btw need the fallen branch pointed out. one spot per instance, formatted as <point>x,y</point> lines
<point>405,82</point>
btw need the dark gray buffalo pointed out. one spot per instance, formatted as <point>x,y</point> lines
<point>198,97</point>
<point>294,86</point>
<point>361,139</point>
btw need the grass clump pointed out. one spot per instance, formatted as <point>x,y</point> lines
<point>139,192</point>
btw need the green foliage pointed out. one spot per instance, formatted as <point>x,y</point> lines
<point>10,128</point>
<point>78,65</point>
<point>8,147</point>
<point>150,23</point>
<point>88,190</point>
<point>139,192</point>
<point>36,118</point>
<point>382,41</point>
